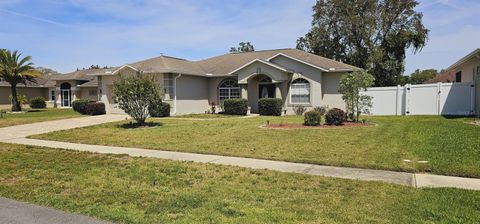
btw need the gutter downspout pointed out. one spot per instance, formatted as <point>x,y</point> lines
<point>175,93</point>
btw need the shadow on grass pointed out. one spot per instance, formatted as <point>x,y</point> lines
<point>133,125</point>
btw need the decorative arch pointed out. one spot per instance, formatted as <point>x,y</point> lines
<point>228,89</point>
<point>65,85</point>
<point>300,91</point>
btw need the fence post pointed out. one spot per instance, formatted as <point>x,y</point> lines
<point>439,97</point>
<point>399,100</point>
<point>472,98</point>
<point>407,99</point>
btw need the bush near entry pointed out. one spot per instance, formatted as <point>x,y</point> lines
<point>335,116</point>
<point>80,106</point>
<point>96,108</point>
<point>235,106</point>
<point>270,106</point>
<point>37,103</point>
<point>312,118</point>
<point>159,109</point>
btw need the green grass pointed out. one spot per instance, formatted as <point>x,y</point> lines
<point>36,115</point>
<point>207,116</point>
<point>139,190</point>
<point>451,146</point>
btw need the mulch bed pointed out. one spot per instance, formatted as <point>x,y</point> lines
<point>323,126</point>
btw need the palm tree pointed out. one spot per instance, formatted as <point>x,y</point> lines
<point>16,71</point>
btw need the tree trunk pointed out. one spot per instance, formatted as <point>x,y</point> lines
<point>15,104</point>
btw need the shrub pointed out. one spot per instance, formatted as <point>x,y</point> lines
<point>321,109</point>
<point>335,116</point>
<point>235,106</point>
<point>135,93</point>
<point>96,108</point>
<point>37,103</point>
<point>80,105</point>
<point>299,109</point>
<point>312,118</point>
<point>159,109</point>
<point>270,106</point>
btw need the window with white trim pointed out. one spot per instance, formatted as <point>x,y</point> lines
<point>168,86</point>
<point>228,89</point>
<point>300,91</point>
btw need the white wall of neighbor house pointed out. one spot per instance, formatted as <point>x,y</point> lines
<point>192,94</point>
<point>424,99</point>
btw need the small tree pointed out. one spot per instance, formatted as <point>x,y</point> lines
<point>350,86</point>
<point>134,95</point>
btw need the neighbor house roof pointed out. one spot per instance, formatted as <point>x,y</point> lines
<point>42,81</point>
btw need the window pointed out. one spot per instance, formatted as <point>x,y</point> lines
<point>52,95</point>
<point>168,86</point>
<point>92,92</point>
<point>458,76</point>
<point>228,89</point>
<point>300,91</point>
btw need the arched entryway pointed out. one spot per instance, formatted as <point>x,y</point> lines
<point>66,94</point>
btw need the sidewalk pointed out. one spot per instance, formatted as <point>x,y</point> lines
<point>18,134</point>
<point>15,212</point>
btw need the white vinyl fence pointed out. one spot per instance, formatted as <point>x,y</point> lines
<point>423,99</point>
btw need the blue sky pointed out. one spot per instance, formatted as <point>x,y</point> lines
<point>67,34</point>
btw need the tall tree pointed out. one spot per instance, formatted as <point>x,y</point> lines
<point>370,34</point>
<point>421,76</point>
<point>242,47</point>
<point>16,70</point>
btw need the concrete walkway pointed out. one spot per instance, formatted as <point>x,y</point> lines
<point>15,212</point>
<point>18,134</point>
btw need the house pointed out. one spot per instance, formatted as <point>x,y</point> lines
<point>296,77</point>
<point>42,87</point>
<point>56,89</point>
<point>467,69</point>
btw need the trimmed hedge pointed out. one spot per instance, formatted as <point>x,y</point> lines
<point>312,118</point>
<point>235,106</point>
<point>335,116</point>
<point>270,106</point>
<point>96,108</point>
<point>80,106</point>
<point>159,109</point>
<point>37,103</point>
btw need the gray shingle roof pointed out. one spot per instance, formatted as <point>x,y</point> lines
<point>217,66</point>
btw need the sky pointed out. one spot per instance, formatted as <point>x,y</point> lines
<point>69,34</point>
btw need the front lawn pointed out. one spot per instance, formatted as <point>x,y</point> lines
<point>207,116</point>
<point>139,190</point>
<point>451,146</point>
<point>36,115</point>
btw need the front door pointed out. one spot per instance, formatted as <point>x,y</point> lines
<point>65,98</point>
<point>266,91</point>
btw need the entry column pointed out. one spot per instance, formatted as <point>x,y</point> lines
<point>244,91</point>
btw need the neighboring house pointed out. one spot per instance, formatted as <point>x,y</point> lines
<point>296,77</point>
<point>467,69</point>
<point>42,88</point>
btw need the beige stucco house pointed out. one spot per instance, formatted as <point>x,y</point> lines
<point>296,77</point>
